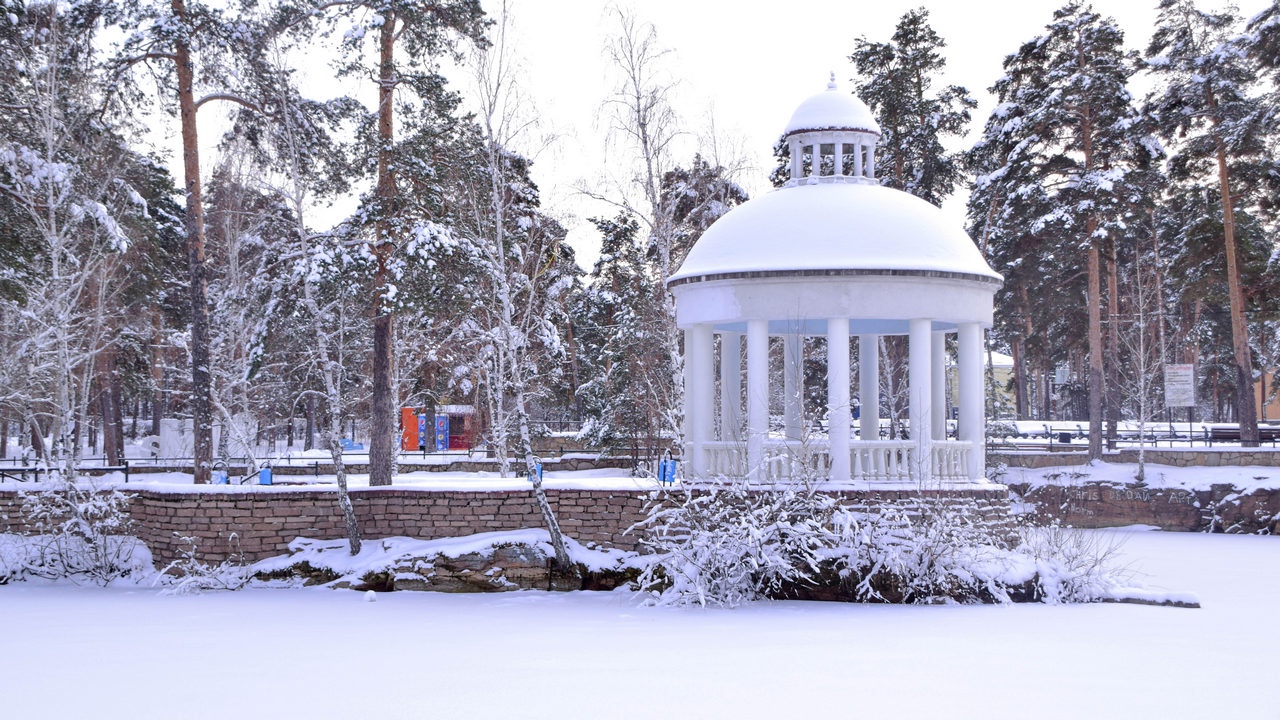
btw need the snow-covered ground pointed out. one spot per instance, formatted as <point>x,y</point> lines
<point>130,653</point>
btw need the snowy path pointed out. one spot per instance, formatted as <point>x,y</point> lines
<point>80,653</point>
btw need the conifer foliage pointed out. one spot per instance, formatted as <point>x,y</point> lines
<point>1056,170</point>
<point>898,78</point>
<point>1209,111</point>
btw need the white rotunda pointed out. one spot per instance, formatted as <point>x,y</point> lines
<point>832,254</point>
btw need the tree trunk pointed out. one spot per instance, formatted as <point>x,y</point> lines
<point>1114,394</point>
<point>309,441</point>
<point>344,498</point>
<point>157,376</point>
<point>382,433</point>
<point>1246,409</point>
<point>201,385</point>
<point>1094,298</point>
<point>531,464</point>
<point>110,450</point>
<point>1019,380</point>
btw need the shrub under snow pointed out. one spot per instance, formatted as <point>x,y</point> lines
<point>77,532</point>
<point>724,544</point>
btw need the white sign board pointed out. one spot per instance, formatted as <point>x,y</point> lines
<point>1179,385</point>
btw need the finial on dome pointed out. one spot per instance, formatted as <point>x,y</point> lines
<point>831,84</point>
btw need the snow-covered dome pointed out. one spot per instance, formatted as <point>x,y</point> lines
<point>832,214</point>
<point>832,110</point>
<point>836,226</point>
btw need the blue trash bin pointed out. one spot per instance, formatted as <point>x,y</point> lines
<point>264,476</point>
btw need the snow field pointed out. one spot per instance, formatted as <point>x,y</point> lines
<point>130,653</point>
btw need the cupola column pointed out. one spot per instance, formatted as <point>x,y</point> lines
<point>938,381</point>
<point>972,402</point>
<point>838,397</point>
<point>730,387</point>
<point>869,386</point>
<point>793,383</point>
<point>757,395</point>
<point>919,374</point>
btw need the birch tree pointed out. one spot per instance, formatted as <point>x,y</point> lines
<point>643,120</point>
<point>518,253</point>
<point>61,183</point>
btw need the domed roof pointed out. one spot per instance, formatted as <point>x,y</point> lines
<point>837,226</point>
<point>832,110</point>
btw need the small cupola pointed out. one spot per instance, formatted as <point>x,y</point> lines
<point>832,139</point>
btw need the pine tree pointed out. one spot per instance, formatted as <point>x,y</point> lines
<point>406,37</point>
<point>198,54</point>
<point>1206,109</point>
<point>898,79</point>
<point>1056,166</point>
<point>697,197</point>
<point>618,339</point>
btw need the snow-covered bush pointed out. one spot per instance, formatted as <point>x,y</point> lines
<point>1071,566</point>
<point>924,550</point>
<point>729,543</point>
<point>77,532</point>
<point>189,575</point>
<point>13,555</point>
<point>725,544</point>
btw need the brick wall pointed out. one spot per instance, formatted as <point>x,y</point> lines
<point>260,522</point>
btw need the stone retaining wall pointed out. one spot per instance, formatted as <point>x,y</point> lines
<point>1190,457</point>
<point>261,521</point>
<point>1222,508</point>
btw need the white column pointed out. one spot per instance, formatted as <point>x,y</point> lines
<point>938,381</point>
<point>816,159</point>
<point>686,422</point>
<point>972,404</point>
<point>757,394</point>
<point>793,383</point>
<point>919,368</point>
<point>797,159</point>
<point>869,386</point>
<point>839,148</point>
<point>700,396</point>
<point>730,387</point>
<point>838,397</point>
<point>871,161</point>
<point>857,161</point>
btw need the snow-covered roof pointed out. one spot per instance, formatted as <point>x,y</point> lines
<point>836,226</point>
<point>832,110</point>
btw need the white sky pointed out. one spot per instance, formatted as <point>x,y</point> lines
<point>737,68</point>
<point>746,66</point>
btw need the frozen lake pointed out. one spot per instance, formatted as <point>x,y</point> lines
<point>76,652</point>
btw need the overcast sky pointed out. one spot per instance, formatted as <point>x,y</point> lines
<point>742,68</point>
